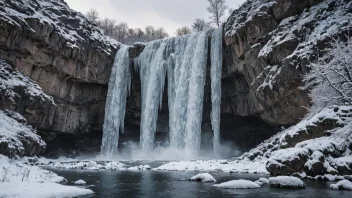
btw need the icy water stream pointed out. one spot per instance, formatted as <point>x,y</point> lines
<point>164,184</point>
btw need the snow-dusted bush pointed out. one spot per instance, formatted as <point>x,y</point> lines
<point>330,78</point>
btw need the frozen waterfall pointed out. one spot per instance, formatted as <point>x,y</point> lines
<point>216,68</point>
<point>119,86</point>
<point>183,62</point>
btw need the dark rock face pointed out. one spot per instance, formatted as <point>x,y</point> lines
<point>68,56</point>
<point>269,45</point>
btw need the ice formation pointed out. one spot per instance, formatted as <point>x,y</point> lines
<point>119,86</point>
<point>182,61</point>
<point>216,68</point>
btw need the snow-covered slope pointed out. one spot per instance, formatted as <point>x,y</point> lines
<point>320,144</point>
<point>18,138</point>
<point>20,95</point>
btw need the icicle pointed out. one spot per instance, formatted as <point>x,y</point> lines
<point>119,86</point>
<point>216,67</point>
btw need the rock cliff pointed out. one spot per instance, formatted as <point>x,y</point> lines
<point>69,57</point>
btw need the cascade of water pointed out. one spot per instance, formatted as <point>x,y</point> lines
<point>191,101</point>
<point>152,72</point>
<point>183,60</point>
<point>216,68</point>
<point>119,86</point>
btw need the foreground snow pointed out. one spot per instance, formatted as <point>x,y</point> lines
<point>20,180</point>
<point>38,190</point>
<point>238,184</point>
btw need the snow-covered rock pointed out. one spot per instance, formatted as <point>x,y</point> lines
<point>238,184</point>
<point>262,181</point>
<point>286,182</point>
<point>306,147</point>
<point>80,182</point>
<point>342,185</point>
<point>203,177</point>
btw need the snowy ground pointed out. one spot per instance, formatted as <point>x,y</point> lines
<point>20,180</point>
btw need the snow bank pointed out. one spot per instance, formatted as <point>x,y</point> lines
<point>286,182</point>
<point>342,185</point>
<point>89,165</point>
<point>41,190</point>
<point>203,177</point>
<point>238,184</point>
<point>20,180</point>
<point>139,168</point>
<point>237,166</point>
<point>80,182</point>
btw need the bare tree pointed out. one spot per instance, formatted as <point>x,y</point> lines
<point>183,31</point>
<point>121,31</point>
<point>200,25</point>
<point>330,79</point>
<point>160,33</point>
<point>150,32</point>
<point>217,10</point>
<point>92,15</point>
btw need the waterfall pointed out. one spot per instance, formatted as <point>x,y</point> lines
<point>119,85</point>
<point>151,67</point>
<point>216,68</point>
<point>182,61</point>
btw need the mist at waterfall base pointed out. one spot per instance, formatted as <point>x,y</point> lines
<point>182,61</point>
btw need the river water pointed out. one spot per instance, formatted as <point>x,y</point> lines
<point>165,184</point>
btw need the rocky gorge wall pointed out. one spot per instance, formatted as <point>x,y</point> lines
<point>68,56</point>
<point>267,48</point>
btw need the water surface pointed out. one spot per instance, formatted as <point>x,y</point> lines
<point>165,184</point>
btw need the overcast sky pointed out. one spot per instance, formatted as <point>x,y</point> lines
<point>169,14</point>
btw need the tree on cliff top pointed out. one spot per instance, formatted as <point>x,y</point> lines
<point>183,31</point>
<point>200,25</point>
<point>217,10</point>
<point>92,15</point>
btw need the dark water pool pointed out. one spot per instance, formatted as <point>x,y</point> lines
<point>164,184</point>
